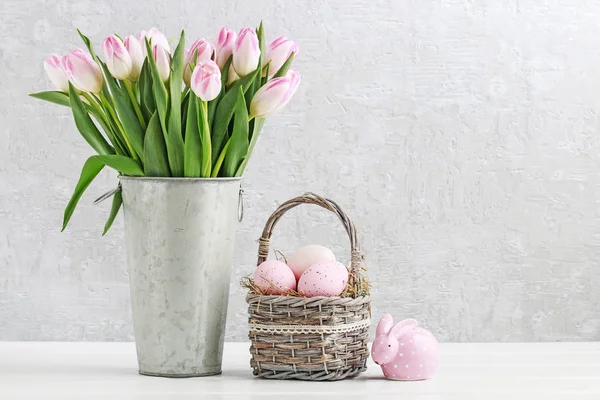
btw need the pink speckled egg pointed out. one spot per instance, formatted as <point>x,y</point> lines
<point>274,277</point>
<point>306,256</point>
<point>325,279</point>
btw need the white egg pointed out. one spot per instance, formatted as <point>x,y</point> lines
<point>306,256</point>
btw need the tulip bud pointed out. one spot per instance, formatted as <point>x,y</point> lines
<point>56,73</point>
<point>274,95</point>
<point>134,48</point>
<point>246,52</point>
<point>224,48</point>
<point>206,80</point>
<point>156,38</point>
<point>116,57</point>
<point>278,52</point>
<point>163,62</point>
<point>205,51</point>
<point>83,71</point>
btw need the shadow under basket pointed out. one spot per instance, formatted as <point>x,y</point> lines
<point>317,338</point>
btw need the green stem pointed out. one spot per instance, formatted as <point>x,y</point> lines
<point>113,114</point>
<point>100,115</point>
<point>219,161</point>
<point>136,106</point>
<point>206,142</point>
<point>96,106</point>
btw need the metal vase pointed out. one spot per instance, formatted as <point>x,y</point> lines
<point>180,236</point>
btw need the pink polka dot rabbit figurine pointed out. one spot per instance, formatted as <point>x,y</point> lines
<point>405,351</point>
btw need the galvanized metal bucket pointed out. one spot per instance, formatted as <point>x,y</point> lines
<point>180,236</point>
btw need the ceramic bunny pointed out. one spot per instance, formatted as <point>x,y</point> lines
<point>405,351</point>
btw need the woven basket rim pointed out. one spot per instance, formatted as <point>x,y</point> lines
<point>315,298</point>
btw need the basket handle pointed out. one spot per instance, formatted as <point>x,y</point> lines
<point>356,257</point>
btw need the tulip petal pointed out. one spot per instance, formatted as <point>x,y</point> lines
<point>206,80</point>
<point>83,71</point>
<point>246,52</point>
<point>134,48</point>
<point>117,58</point>
<point>55,71</point>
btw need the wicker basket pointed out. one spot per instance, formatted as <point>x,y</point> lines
<point>314,339</point>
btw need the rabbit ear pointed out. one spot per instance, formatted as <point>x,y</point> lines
<point>385,324</point>
<point>402,327</point>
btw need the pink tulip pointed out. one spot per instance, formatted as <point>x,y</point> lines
<point>246,52</point>
<point>274,95</point>
<point>117,58</point>
<point>206,80</point>
<point>224,48</point>
<point>56,73</point>
<point>156,38</point>
<point>163,62</point>
<point>83,71</point>
<point>278,52</point>
<point>134,48</point>
<point>205,52</point>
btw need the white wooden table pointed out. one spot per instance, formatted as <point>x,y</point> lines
<point>468,371</point>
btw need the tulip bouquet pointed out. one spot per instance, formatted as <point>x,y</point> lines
<point>193,112</point>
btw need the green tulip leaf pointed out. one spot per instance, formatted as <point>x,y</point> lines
<point>219,162</point>
<point>114,210</point>
<point>265,78</point>
<point>174,134</point>
<point>192,147</point>
<point>155,151</point>
<point>90,170</point>
<point>161,95</point>
<point>147,103</point>
<point>88,44</point>
<point>127,116</point>
<point>173,144</point>
<point>238,148</point>
<point>225,73</point>
<point>124,165</point>
<point>55,97</point>
<point>225,110</point>
<point>86,126</point>
<point>258,124</point>
<point>284,68</point>
<point>184,111</point>
<point>62,99</point>
<point>212,105</point>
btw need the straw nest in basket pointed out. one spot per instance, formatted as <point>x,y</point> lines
<point>318,338</point>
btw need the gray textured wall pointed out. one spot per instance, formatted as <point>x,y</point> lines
<point>463,136</point>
